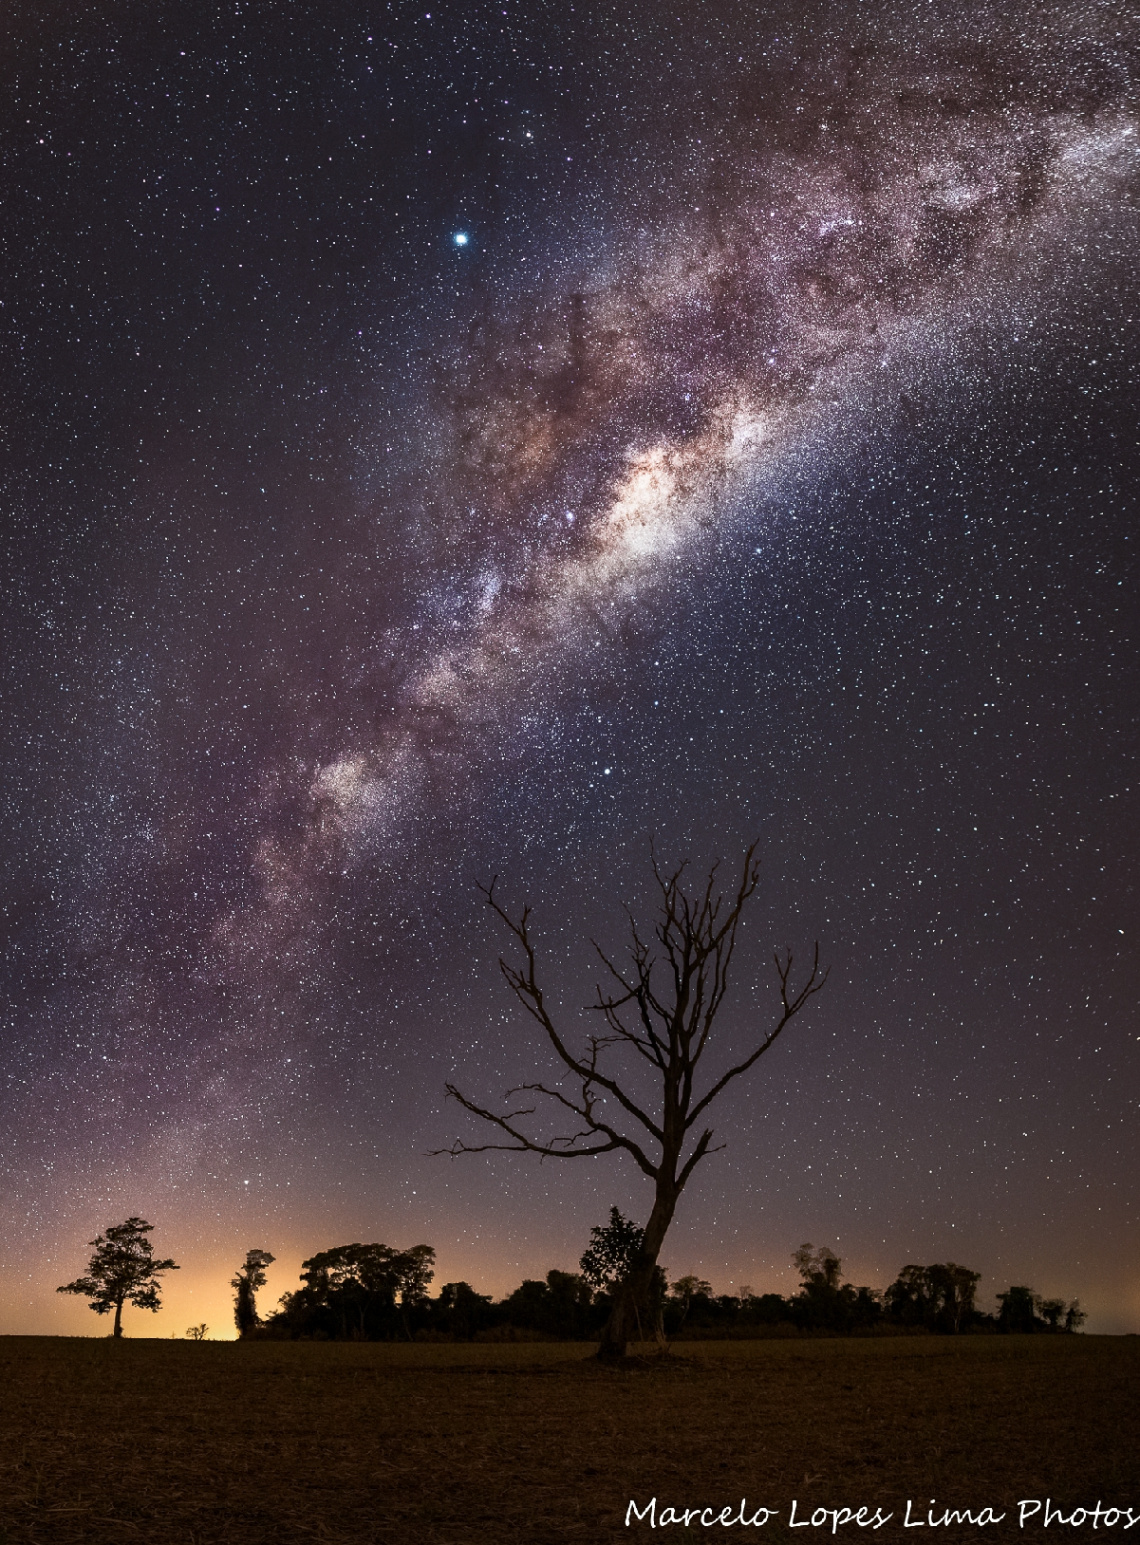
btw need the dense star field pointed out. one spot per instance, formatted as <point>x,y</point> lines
<point>471,439</point>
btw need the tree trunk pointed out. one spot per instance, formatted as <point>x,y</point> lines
<point>245,1308</point>
<point>624,1323</point>
<point>118,1317</point>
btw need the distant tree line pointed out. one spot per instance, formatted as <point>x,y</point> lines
<point>373,1293</point>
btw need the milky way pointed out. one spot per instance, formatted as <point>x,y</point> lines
<point>351,561</point>
<point>588,459</point>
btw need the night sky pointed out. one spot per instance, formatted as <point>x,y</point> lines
<point>472,439</point>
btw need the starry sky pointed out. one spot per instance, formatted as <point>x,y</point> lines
<point>473,440</point>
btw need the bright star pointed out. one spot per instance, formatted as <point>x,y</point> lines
<point>460,238</point>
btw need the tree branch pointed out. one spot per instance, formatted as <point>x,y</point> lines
<point>554,1148</point>
<point>792,1003</point>
<point>525,987</point>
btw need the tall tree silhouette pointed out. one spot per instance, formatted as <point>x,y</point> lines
<point>250,1277</point>
<point>660,1004</point>
<point>122,1270</point>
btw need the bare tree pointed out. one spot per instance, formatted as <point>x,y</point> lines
<point>668,1026</point>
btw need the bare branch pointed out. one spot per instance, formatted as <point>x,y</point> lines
<point>553,1148</point>
<point>792,1004</point>
<point>522,1143</point>
<point>524,984</point>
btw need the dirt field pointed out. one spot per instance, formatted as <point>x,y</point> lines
<point>455,1445</point>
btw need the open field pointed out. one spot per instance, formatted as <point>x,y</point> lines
<point>481,1445</point>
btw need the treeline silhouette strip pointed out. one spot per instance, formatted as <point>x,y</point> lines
<point>374,1293</point>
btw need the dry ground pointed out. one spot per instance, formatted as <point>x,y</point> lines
<point>271,1443</point>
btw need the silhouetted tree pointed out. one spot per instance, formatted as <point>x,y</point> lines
<point>558,1307</point>
<point>462,1312</point>
<point>766,1309</point>
<point>250,1277</point>
<point>1023,1311</point>
<point>817,1306</point>
<point>940,1297</point>
<point>818,1268</point>
<point>1051,1310</point>
<point>611,1256</point>
<point>668,1027</point>
<point>122,1270</point>
<point>683,1291</point>
<point>357,1291</point>
<point>825,1302</point>
<point>910,1297</point>
<point>1016,1315</point>
<point>612,1250</point>
<point>1075,1316</point>
<point>414,1270</point>
<point>954,1287</point>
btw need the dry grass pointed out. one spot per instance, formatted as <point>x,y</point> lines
<point>455,1445</point>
